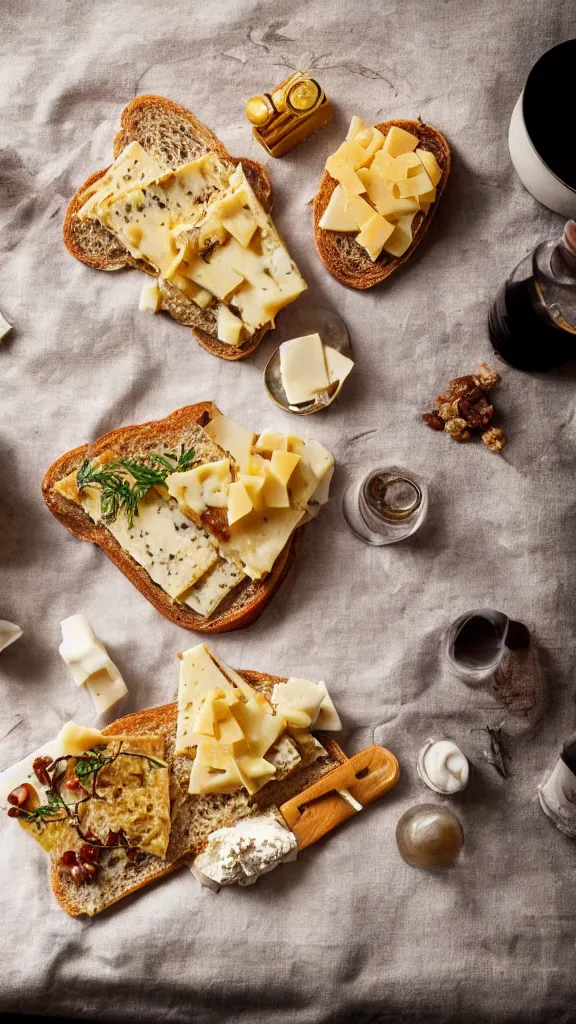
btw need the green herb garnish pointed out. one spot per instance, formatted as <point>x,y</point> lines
<point>124,483</point>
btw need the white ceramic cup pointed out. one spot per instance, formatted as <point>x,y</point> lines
<point>543,93</point>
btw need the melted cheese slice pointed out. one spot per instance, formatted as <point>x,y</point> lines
<point>232,438</point>
<point>201,487</point>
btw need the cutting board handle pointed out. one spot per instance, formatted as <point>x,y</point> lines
<point>318,809</point>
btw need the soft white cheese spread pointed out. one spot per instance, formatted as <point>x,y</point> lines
<point>443,767</point>
<point>244,851</point>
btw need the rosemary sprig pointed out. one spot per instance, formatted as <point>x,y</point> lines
<point>124,483</point>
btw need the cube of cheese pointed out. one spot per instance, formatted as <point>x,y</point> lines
<point>303,368</point>
<point>283,465</point>
<point>253,485</point>
<point>430,165</point>
<point>374,234</point>
<point>270,440</point>
<point>346,175</point>
<point>399,141</point>
<point>415,186</point>
<point>274,492</point>
<point>401,239</point>
<point>230,327</point>
<point>236,216</point>
<point>239,502</point>
<point>149,298</point>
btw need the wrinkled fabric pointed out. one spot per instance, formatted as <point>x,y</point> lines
<point>348,931</point>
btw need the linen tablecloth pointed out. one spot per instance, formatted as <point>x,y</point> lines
<point>348,932</point>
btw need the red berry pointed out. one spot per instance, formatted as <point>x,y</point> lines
<point>69,859</point>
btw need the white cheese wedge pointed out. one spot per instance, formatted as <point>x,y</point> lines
<point>76,739</point>
<point>88,661</point>
<point>303,368</point>
<point>149,298</point>
<point>5,327</point>
<point>230,326</point>
<point>234,677</point>
<point>399,141</point>
<point>337,364</point>
<point>9,632</point>
<point>215,769</point>
<point>232,438</point>
<point>206,595</point>
<point>235,215</point>
<point>201,487</point>
<point>328,719</point>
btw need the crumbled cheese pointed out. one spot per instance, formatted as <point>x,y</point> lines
<point>245,851</point>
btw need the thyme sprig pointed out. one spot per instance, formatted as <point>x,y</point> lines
<point>124,483</point>
<point>86,770</point>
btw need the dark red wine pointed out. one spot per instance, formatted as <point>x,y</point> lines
<point>523,332</point>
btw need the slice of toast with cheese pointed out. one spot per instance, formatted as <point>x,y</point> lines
<point>377,197</point>
<point>177,206</point>
<point>198,512</point>
<point>144,815</point>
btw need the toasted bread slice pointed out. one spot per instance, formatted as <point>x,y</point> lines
<point>173,136</point>
<point>340,253</point>
<point>193,817</point>
<point>244,604</point>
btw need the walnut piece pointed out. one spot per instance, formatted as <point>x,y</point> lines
<point>448,410</point>
<point>494,438</point>
<point>485,377</point>
<point>475,408</point>
<point>433,420</point>
<point>456,387</point>
<point>457,428</point>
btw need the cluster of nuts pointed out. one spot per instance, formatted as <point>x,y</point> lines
<point>84,864</point>
<point>465,410</point>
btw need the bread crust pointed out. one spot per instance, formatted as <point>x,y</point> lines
<point>241,608</point>
<point>111,254</point>
<point>329,244</point>
<point>153,720</point>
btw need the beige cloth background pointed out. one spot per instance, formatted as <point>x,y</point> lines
<point>348,931</point>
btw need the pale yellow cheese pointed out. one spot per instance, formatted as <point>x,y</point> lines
<point>383,196</point>
<point>303,368</point>
<point>346,213</point>
<point>234,677</point>
<point>399,141</point>
<point>415,186</point>
<point>283,464</point>
<point>257,540</point>
<point>374,234</point>
<point>198,675</point>
<point>76,739</point>
<point>230,327</point>
<point>200,296</point>
<point>260,726</point>
<point>401,239</point>
<point>149,298</point>
<point>131,168</point>
<point>430,165</point>
<point>214,769</point>
<point>274,491</point>
<point>205,596</point>
<point>301,696</point>
<point>239,502</point>
<point>236,216</point>
<point>349,154</point>
<point>253,485</point>
<point>233,438</point>
<point>270,440</point>
<point>346,175</point>
<point>215,274</point>
<point>400,167</point>
<point>141,221</point>
<point>201,487</point>
<point>337,364</point>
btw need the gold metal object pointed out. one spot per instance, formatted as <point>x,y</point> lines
<point>288,114</point>
<point>333,332</point>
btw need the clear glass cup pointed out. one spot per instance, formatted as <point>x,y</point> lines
<point>385,505</point>
<point>474,644</point>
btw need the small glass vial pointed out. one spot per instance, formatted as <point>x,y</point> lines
<point>387,505</point>
<point>474,644</point>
